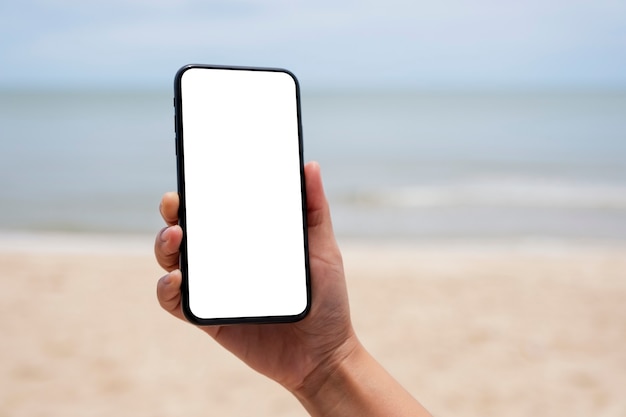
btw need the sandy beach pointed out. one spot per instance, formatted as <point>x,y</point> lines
<point>471,328</point>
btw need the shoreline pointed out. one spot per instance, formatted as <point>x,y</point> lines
<point>137,244</point>
<point>79,243</point>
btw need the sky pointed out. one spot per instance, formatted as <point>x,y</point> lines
<point>327,43</point>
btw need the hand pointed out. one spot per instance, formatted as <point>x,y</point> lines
<point>288,353</point>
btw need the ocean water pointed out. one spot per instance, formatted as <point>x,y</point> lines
<point>395,164</point>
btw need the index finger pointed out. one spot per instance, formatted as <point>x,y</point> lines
<point>169,208</point>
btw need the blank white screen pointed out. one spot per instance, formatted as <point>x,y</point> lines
<point>245,242</point>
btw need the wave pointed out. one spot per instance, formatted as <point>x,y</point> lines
<point>497,193</point>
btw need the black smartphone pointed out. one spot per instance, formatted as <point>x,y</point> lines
<point>244,254</point>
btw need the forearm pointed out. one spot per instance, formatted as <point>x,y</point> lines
<point>358,386</point>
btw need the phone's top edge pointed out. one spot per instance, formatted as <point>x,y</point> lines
<point>187,67</point>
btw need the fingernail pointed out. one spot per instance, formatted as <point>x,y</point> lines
<point>164,234</point>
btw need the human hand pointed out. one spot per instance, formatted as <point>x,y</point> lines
<point>291,354</point>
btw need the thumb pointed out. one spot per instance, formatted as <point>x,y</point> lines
<point>319,223</point>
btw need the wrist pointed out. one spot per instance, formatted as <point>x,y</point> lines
<point>355,384</point>
<point>326,387</point>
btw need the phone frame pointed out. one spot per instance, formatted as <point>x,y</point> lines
<point>180,168</point>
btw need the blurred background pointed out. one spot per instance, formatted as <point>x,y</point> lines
<point>474,153</point>
<point>446,119</point>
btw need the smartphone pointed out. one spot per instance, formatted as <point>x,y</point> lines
<point>244,254</point>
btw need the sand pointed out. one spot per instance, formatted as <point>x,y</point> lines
<point>470,328</point>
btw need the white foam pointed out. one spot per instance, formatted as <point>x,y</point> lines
<point>503,193</point>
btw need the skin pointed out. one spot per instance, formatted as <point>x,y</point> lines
<point>318,359</point>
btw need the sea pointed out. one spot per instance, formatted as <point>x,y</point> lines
<point>399,164</point>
